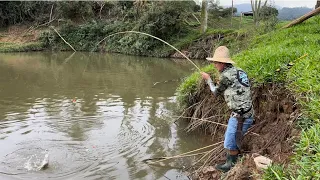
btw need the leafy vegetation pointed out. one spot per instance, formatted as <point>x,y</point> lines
<point>164,20</point>
<point>14,12</point>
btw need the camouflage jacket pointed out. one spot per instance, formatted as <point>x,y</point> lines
<point>235,86</point>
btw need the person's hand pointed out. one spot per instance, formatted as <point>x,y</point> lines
<point>205,75</point>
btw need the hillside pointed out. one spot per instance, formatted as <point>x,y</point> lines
<point>292,13</point>
<point>285,13</point>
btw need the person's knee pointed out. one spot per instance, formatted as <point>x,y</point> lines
<point>247,124</point>
<point>230,141</point>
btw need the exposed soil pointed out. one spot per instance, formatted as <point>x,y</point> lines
<point>19,34</point>
<point>272,134</point>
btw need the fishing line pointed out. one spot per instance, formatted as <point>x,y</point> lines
<point>137,32</point>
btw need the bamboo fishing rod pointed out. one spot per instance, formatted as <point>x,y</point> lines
<point>186,154</point>
<point>137,32</point>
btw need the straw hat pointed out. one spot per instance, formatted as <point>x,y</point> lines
<point>221,55</point>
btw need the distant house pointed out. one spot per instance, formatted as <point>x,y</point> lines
<point>249,13</point>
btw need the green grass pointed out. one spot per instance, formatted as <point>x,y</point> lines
<point>274,51</point>
<point>266,60</point>
<point>14,47</point>
<point>190,85</point>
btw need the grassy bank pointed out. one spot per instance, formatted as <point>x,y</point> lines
<point>275,57</point>
<point>88,36</point>
<point>17,47</point>
<point>83,26</point>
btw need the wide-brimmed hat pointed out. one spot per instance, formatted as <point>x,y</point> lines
<point>222,55</point>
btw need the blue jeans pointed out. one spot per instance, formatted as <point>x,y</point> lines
<point>230,135</point>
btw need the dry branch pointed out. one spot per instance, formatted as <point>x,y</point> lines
<point>51,12</point>
<point>63,38</point>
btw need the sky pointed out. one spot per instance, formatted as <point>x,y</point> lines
<point>282,3</point>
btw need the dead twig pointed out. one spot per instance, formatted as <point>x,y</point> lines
<point>51,12</point>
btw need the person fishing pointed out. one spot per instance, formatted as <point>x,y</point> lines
<point>235,86</point>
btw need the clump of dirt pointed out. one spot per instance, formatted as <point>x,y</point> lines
<point>272,134</point>
<point>243,170</point>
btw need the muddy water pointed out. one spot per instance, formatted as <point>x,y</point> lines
<point>96,115</point>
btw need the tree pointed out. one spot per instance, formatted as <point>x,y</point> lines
<point>267,12</point>
<point>204,16</point>
<point>256,7</point>
<point>232,12</point>
<point>218,11</point>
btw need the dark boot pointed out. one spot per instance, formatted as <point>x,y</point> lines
<point>231,161</point>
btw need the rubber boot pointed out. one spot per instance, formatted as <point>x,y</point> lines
<point>231,161</point>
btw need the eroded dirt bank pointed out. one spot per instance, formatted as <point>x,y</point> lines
<point>272,134</point>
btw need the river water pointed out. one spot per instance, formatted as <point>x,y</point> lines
<point>96,115</point>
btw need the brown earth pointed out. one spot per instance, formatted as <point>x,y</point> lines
<point>19,34</point>
<point>272,134</point>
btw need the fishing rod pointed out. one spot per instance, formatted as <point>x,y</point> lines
<point>137,32</point>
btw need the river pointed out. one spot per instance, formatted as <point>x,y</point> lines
<point>96,115</point>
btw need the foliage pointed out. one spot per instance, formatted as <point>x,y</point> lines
<point>276,49</point>
<point>83,37</point>
<point>219,11</point>
<point>268,12</point>
<point>307,156</point>
<point>274,54</point>
<point>163,20</point>
<point>276,172</point>
<point>280,57</point>
<point>13,12</point>
<point>74,9</point>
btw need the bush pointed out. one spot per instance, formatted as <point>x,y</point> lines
<point>13,12</point>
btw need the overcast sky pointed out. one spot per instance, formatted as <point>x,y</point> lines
<point>282,3</point>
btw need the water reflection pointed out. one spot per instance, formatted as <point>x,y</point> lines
<point>99,115</point>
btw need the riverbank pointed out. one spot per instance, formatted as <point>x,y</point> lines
<point>192,43</point>
<point>179,25</point>
<point>19,38</point>
<point>283,67</point>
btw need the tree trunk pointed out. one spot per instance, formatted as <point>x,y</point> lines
<point>303,18</point>
<point>318,4</point>
<point>204,16</point>
<point>231,13</point>
<point>256,7</point>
